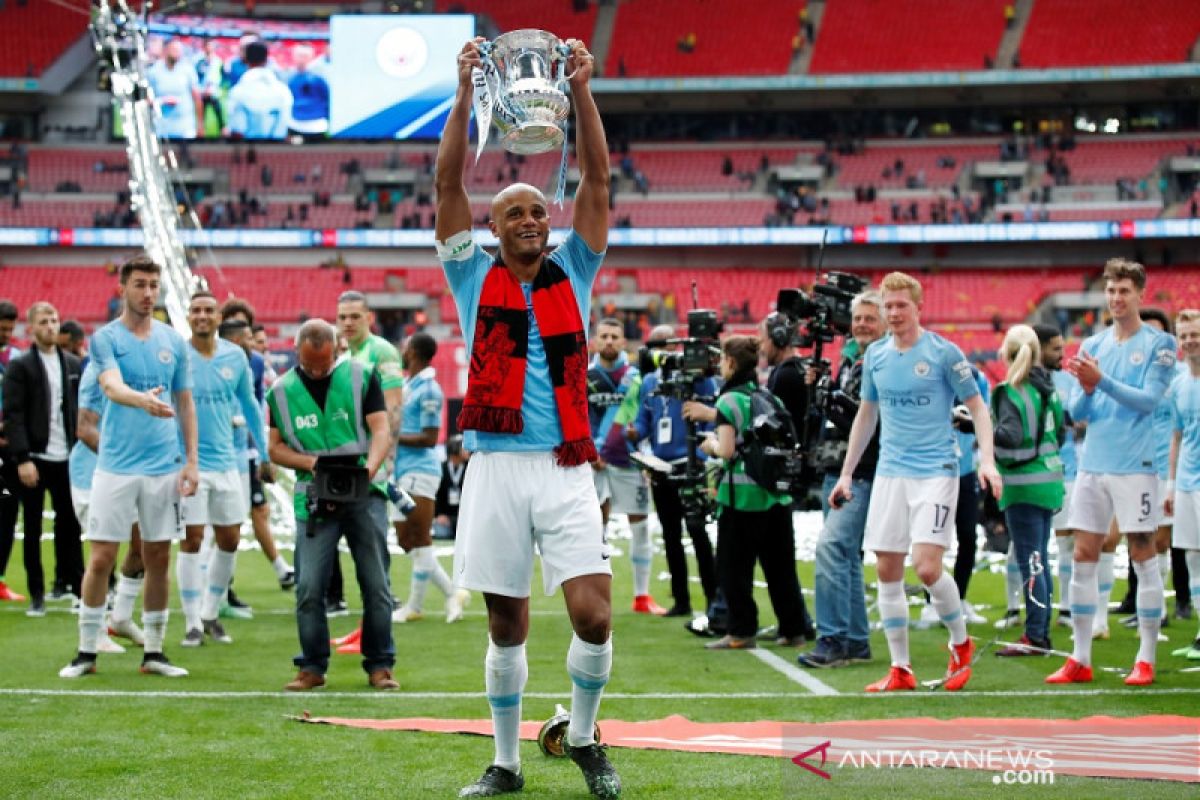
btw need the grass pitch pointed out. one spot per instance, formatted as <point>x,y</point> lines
<point>224,732</point>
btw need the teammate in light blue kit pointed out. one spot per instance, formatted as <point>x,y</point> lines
<point>176,95</point>
<point>1067,387</point>
<point>910,382</point>
<point>1123,372</point>
<point>141,472</point>
<point>260,105</point>
<point>81,465</point>
<point>222,389</point>
<point>1183,488</point>
<point>418,472</point>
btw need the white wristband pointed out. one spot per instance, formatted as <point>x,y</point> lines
<point>1170,487</point>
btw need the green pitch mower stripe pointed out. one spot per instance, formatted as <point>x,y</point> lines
<point>402,695</point>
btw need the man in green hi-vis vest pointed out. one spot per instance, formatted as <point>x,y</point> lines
<point>327,413</point>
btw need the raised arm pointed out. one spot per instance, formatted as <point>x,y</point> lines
<point>591,150</point>
<point>453,205</point>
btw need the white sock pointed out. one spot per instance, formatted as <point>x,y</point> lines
<point>641,553</point>
<point>1192,558</point>
<point>1084,602</point>
<point>505,673</point>
<point>943,594</point>
<point>1104,587</point>
<point>91,620</point>
<point>419,582</point>
<point>1066,558</point>
<point>1012,582</point>
<point>1149,606</point>
<point>893,611</point>
<point>191,588</point>
<point>127,591</point>
<point>437,575</point>
<point>154,624</point>
<point>282,568</point>
<point>1164,571</point>
<point>220,572</point>
<point>589,666</point>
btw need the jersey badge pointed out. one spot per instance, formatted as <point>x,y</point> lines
<point>921,369</point>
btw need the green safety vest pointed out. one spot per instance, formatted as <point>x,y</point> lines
<point>338,429</point>
<point>1032,472</point>
<point>737,490</point>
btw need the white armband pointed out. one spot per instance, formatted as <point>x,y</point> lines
<point>1169,488</point>
<point>458,247</point>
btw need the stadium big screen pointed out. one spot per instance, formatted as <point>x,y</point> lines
<point>354,77</point>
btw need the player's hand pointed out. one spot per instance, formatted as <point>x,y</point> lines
<point>580,64</point>
<point>841,493</point>
<point>28,473</point>
<point>599,464</point>
<point>155,407</point>
<point>189,480</point>
<point>989,480</point>
<point>1169,505</point>
<point>1086,370</point>
<point>468,59</point>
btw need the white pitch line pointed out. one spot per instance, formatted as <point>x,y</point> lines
<point>402,695</point>
<point>792,672</point>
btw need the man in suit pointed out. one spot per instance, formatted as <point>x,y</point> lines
<point>40,407</point>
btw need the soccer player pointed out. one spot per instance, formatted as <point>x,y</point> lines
<point>523,315</point>
<point>1183,488</point>
<point>221,383</point>
<point>419,473</point>
<point>142,472</point>
<point>10,501</point>
<point>310,93</point>
<point>81,466</point>
<point>260,105</point>
<point>910,382</point>
<point>176,95</point>
<point>1123,372</point>
<point>613,397</point>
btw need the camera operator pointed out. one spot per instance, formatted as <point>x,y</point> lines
<point>329,422</point>
<point>660,420</point>
<point>787,378</point>
<point>754,523</point>
<point>842,628</point>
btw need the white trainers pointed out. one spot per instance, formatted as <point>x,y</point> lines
<point>455,603</point>
<point>193,638</point>
<point>78,668</point>
<point>972,616</point>
<point>929,618</point>
<point>160,666</point>
<point>127,629</point>
<point>1011,619</point>
<point>106,645</point>
<point>405,614</point>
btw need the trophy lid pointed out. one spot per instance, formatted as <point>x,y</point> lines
<point>527,39</point>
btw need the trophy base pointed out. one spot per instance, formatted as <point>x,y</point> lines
<point>530,138</point>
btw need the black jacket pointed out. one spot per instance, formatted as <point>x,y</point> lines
<point>27,403</point>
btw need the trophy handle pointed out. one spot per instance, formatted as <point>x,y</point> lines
<point>563,51</point>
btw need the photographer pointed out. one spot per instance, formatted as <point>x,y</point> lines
<point>753,523</point>
<point>660,420</point>
<point>329,422</point>
<point>842,627</point>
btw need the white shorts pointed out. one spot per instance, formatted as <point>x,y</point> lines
<point>1186,533</point>
<point>907,511</point>
<point>1163,517</point>
<point>152,501</point>
<point>420,484</point>
<point>80,500</point>
<point>1097,497</point>
<point>514,502</point>
<point>222,498</point>
<point>627,487</point>
<point>1059,523</point>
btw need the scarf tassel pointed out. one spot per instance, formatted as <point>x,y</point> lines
<point>576,452</point>
<point>491,419</point>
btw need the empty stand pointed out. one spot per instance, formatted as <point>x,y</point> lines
<point>732,38</point>
<point>1067,33</point>
<point>556,16</point>
<point>908,35</point>
<point>34,34</point>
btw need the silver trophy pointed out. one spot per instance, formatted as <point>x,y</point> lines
<point>522,91</point>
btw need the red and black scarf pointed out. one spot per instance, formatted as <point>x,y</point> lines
<point>496,378</point>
